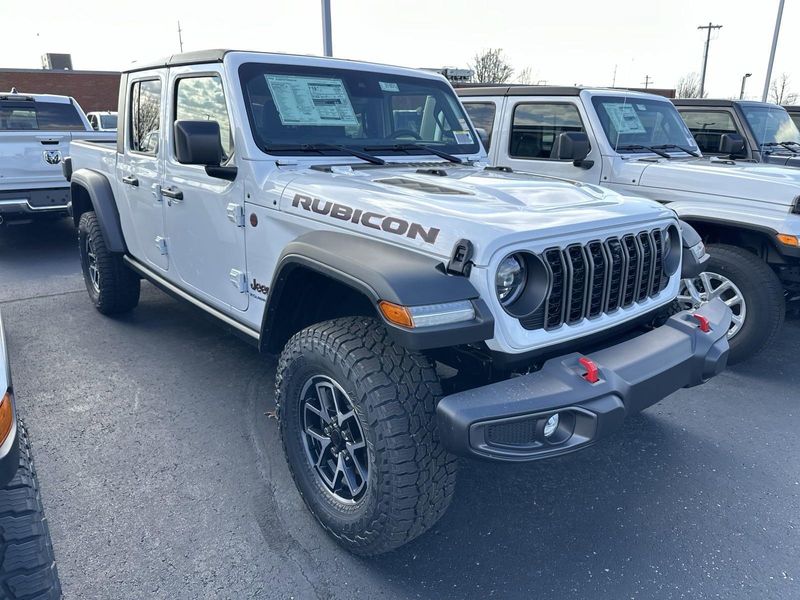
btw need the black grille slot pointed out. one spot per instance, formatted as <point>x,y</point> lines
<point>516,433</point>
<point>600,277</point>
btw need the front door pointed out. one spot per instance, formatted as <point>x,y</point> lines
<point>204,214</point>
<point>139,170</point>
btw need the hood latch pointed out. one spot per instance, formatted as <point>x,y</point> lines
<point>461,260</point>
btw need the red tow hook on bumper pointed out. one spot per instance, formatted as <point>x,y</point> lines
<point>703,323</point>
<point>592,374</point>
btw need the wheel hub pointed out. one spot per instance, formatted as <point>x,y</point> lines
<point>334,442</point>
<point>91,263</point>
<point>694,293</point>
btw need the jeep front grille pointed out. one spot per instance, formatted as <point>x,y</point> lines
<point>599,278</point>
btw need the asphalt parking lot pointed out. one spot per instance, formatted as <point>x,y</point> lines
<point>163,477</point>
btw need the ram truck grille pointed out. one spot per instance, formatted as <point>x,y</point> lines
<point>600,277</point>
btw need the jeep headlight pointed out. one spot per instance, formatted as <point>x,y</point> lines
<point>510,279</point>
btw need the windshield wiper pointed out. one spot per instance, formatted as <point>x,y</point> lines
<point>405,147</point>
<point>321,148</point>
<point>681,148</point>
<point>648,148</point>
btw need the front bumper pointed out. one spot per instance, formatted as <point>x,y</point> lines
<point>506,420</point>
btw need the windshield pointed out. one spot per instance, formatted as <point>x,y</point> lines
<point>108,121</point>
<point>291,107</point>
<point>632,123</point>
<point>771,124</point>
<point>24,115</point>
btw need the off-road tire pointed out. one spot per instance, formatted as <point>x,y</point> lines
<point>763,295</point>
<point>27,565</point>
<point>118,285</point>
<point>394,394</point>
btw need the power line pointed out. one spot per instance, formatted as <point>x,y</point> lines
<point>709,27</point>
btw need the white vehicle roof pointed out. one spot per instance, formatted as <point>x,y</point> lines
<point>35,97</point>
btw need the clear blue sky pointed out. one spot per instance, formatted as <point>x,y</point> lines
<point>563,42</point>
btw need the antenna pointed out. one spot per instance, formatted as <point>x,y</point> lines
<point>614,79</point>
<point>180,37</point>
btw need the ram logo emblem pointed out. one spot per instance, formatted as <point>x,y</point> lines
<point>52,157</point>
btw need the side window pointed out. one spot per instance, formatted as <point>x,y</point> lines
<point>482,115</point>
<point>202,99</point>
<point>707,127</point>
<point>145,116</point>
<point>536,127</point>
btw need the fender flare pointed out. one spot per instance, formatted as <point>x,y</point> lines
<point>101,195</point>
<point>381,271</point>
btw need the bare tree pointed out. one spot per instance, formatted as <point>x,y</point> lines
<point>779,91</point>
<point>490,66</point>
<point>689,86</point>
<point>526,76</point>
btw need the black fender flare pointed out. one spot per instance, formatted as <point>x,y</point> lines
<point>382,271</point>
<point>101,195</point>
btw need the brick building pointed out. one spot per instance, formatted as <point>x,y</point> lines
<point>94,90</point>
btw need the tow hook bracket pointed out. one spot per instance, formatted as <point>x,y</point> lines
<point>702,323</point>
<point>592,374</point>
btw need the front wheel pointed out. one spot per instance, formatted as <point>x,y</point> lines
<point>357,420</point>
<point>751,290</point>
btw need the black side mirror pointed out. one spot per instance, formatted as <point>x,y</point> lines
<point>200,143</point>
<point>484,137</point>
<point>731,144</point>
<point>574,146</point>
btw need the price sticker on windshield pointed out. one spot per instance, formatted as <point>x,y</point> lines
<point>624,118</point>
<point>311,100</point>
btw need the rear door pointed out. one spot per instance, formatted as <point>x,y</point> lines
<point>205,224</point>
<point>140,168</point>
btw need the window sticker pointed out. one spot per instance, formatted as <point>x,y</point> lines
<point>462,137</point>
<point>624,118</point>
<point>389,86</point>
<point>311,100</point>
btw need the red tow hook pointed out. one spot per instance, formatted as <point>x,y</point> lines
<point>703,323</point>
<point>592,374</point>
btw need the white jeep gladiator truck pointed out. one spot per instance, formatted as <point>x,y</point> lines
<point>35,132</point>
<point>748,214</point>
<point>423,305</point>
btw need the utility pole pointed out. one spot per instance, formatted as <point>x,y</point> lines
<point>744,81</point>
<point>709,27</point>
<point>327,42</point>
<point>647,81</point>
<point>180,37</point>
<point>772,51</point>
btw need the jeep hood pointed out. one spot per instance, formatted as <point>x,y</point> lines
<point>759,182</point>
<point>432,208</point>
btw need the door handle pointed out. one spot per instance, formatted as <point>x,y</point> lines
<point>130,180</point>
<point>174,193</point>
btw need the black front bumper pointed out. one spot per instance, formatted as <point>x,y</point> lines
<point>506,420</point>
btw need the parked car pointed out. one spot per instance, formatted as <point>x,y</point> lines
<point>35,131</point>
<point>794,113</point>
<point>759,131</point>
<point>27,564</point>
<point>748,214</point>
<point>423,305</point>
<point>105,120</point>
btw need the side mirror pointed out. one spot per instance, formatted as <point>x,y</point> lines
<point>484,137</point>
<point>574,146</point>
<point>731,144</point>
<point>200,143</point>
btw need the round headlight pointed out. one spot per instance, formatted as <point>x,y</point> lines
<point>510,279</point>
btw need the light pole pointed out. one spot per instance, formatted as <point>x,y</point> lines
<point>772,51</point>
<point>744,81</point>
<point>327,42</point>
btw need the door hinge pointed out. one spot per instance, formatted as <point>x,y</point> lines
<point>156,190</point>
<point>236,214</point>
<point>161,244</point>
<point>239,280</point>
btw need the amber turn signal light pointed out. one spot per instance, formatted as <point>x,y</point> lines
<point>394,313</point>
<point>6,416</point>
<point>789,240</point>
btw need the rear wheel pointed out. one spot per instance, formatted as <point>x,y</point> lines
<point>751,290</point>
<point>357,420</point>
<point>112,286</point>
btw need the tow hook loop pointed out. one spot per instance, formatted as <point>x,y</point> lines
<point>592,374</point>
<point>703,323</point>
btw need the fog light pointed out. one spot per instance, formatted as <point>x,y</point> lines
<point>551,425</point>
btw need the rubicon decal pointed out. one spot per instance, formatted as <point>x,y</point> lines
<point>369,219</point>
